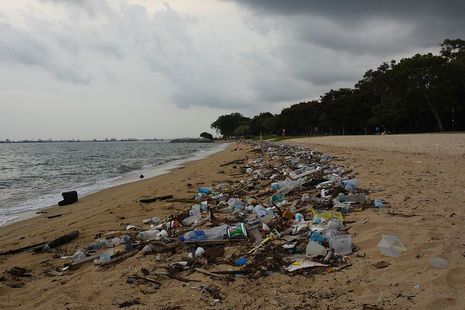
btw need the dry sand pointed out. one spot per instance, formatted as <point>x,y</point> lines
<point>421,176</point>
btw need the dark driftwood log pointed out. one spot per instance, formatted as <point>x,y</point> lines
<point>24,248</point>
<point>153,199</point>
<point>236,161</point>
<point>59,241</point>
<point>68,198</point>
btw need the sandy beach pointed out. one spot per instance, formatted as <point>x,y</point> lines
<point>420,177</point>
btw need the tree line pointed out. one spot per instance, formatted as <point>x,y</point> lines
<point>422,93</point>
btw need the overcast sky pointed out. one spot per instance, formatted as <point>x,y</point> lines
<point>145,68</point>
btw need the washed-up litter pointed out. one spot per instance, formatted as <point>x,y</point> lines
<point>438,263</point>
<point>391,246</point>
<point>301,264</point>
<point>286,214</point>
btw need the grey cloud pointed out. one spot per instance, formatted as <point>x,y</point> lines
<point>18,47</point>
<point>91,8</point>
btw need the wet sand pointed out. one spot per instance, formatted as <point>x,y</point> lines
<point>420,176</point>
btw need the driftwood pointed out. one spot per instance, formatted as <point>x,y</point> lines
<point>54,216</point>
<point>63,239</point>
<point>156,198</point>
<point>58,241</point>
<point>214,275</point>
<point>242,271</point>
<point>174,276</point>
<point>185,200</point>
<point>236,161</point>
<point>119,259</point>
<point>213,242</point>
<point>24,248</point>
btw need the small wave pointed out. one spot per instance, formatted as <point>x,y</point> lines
<point>128,168</point>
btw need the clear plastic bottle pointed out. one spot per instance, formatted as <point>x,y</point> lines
<point>216,233</point>
<point>149,234</point>
<point>153,220</point>
<point>260,211</point>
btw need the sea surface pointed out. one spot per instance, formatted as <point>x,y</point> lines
<point>33,175</point>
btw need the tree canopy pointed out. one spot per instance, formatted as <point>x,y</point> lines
<point>422,93</point>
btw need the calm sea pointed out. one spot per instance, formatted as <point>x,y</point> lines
<point>33,175</point>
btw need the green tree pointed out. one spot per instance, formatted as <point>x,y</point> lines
<point>226,124</point>
<point>206,135</point>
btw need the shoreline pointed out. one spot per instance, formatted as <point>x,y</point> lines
<point>127,178</point>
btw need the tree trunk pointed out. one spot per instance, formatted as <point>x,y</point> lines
<point>435,113</point>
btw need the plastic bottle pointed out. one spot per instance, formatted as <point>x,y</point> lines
<point>195,210</point>
<point>116,241</point>
<point>153,220</point>
<point>194,235</point>
<point>288,185</point>
<point>149,234</point>
<point>162,234</point>
<point>97,244</point>
<point>260,211</point>
<point>215,233</point>
<point>350,185</point>
<point>191,219</point>
<point>126,239</point>
<point>205,190</point>
<point>235,204</point>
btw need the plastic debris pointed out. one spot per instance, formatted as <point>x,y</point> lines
<point>391,246</point>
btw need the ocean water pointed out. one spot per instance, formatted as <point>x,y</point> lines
<point>33,175</point>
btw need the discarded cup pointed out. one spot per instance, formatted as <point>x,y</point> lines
<point>391,246</point>
<point>342,244</point>
<point>315,249</point>
<point>237,231</point>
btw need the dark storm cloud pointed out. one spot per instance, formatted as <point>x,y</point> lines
<point>352,10</point>
<point>327,42</point>
<point>363,26</point>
